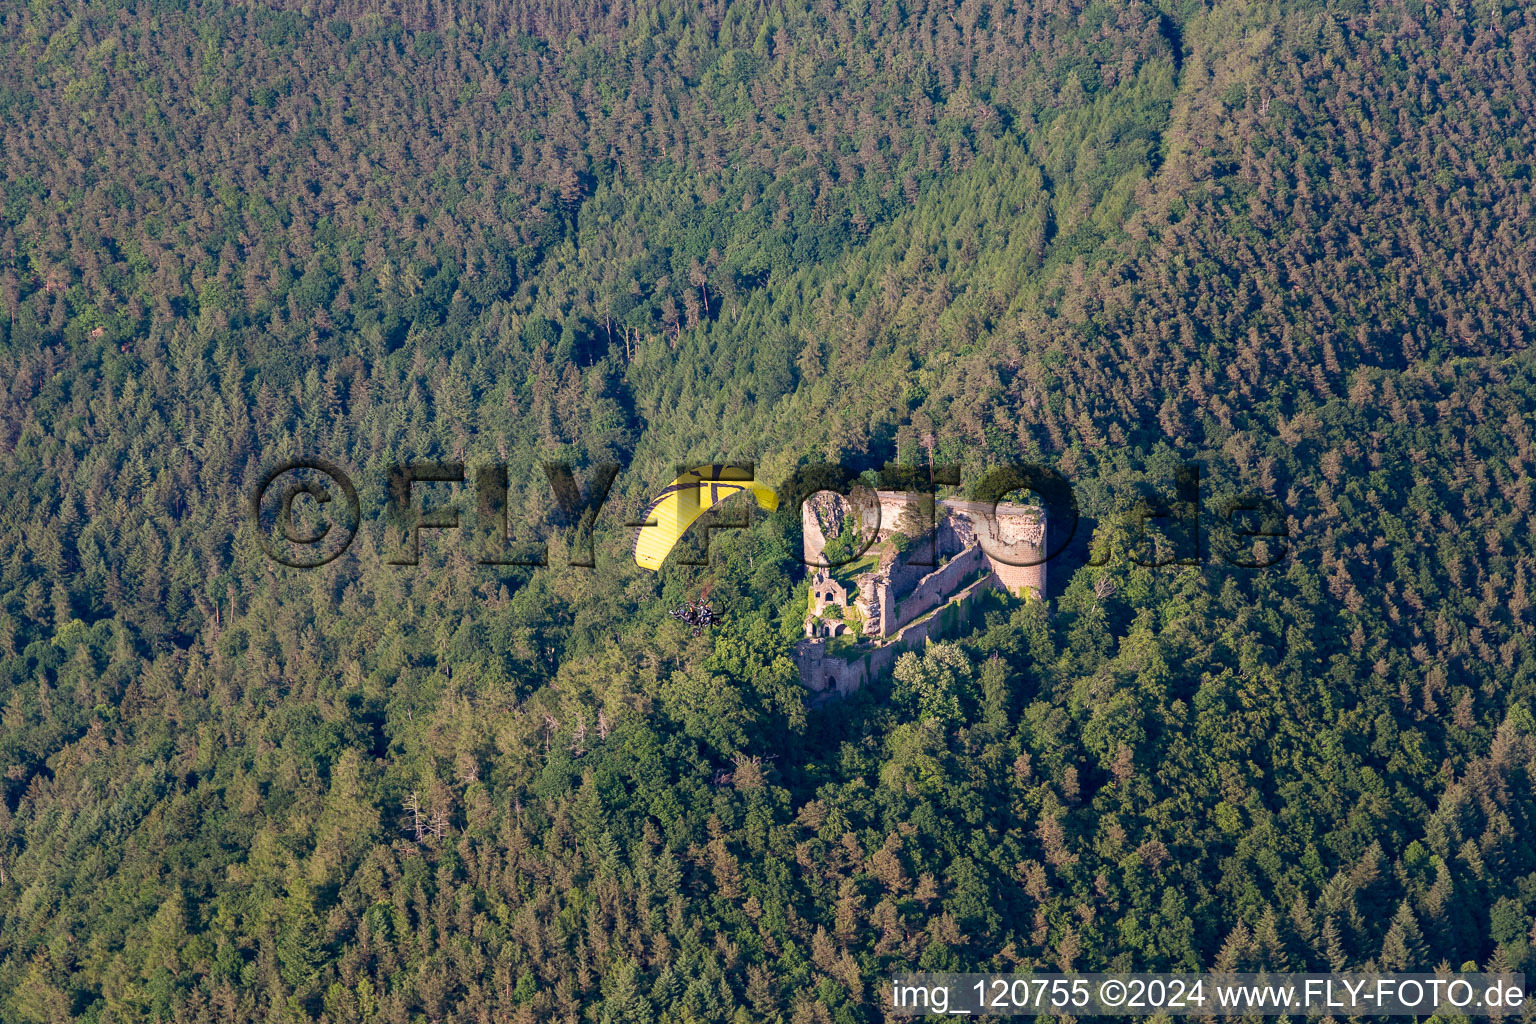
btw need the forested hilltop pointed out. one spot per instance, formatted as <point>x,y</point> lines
<point>1289,241</point>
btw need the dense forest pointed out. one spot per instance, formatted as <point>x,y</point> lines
<point>1289,241</point>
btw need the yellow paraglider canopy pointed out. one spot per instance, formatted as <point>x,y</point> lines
<point>695,492</point>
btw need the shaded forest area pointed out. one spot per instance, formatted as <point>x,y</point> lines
<point>1288,240</point>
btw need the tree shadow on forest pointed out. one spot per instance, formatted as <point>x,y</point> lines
<point>1073,556</point>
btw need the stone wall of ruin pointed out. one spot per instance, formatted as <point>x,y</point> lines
<point>822,673</point>
<point>937,587</point>
<point>812,540</point>
<point>1020,579</point>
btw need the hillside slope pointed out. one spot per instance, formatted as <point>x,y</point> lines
<point>1288,241</point>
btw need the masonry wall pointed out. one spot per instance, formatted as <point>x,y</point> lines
<point>891,505</point>
<point>1017,534</point>
<point>1010,523</point>
<point>812,540</point>
<point>955,613</point>
<point>903,575</point>
<point>1019,579</point>
<point>937,587</point>
<point>824,674</point>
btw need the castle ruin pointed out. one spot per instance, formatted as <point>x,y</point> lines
<point>914,581</point>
